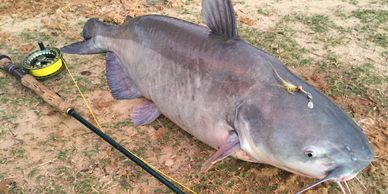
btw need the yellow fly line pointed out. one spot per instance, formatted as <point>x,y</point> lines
<point>46,71</point>
<point>98,124</point>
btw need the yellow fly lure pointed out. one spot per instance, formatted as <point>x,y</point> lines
<point>291,88</point>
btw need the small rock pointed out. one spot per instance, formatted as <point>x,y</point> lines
<point>169,162</point>
<point>86,73</point>
<point>319,81</point>
<point>27,48</point>
<point>113,17</point>
<point>160,132</point>
<point>6,185</point>
<point>51,113</point>
<point>71,35</point>
<point>175,3</point>
<point>247,21</point>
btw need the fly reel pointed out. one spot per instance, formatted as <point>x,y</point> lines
<point>44,63</point>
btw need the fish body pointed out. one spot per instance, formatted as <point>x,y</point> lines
<point>225,92</point>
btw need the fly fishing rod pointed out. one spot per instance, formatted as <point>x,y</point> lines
<point>57,102</point>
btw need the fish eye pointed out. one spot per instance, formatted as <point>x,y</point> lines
<point>310,152</point>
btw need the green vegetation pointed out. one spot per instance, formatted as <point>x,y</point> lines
<point>33,37</point>
<point>62,155</point>
<point>355,81</point>
<point>317,23</point>
<point>331,61</point>
<point>380,39</point>
<point>32,173</point>
<point>265,11</point>
<point>18,152</point>
<point>279,41</point>
<point>372,17</point>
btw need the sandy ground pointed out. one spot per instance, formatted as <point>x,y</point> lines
<point>338,46</point>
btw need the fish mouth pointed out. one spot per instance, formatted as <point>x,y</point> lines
<point>346,178</point>
<point>331,176</point>
<point>343,171</point>
<point>339,174</point>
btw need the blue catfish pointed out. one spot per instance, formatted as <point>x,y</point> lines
<point>230,95</point>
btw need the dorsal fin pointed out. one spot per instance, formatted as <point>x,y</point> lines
<point>219,17</point>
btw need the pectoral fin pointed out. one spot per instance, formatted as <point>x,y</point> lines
<point>120,84</point>
<point>228,148</point>
<point>83,48</point>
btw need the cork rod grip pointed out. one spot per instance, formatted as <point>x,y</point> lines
<point>30,82</point>
<point>46,94</point>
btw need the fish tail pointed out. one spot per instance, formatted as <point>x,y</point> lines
<point>91,43</point>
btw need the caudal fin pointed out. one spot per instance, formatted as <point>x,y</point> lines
<point>90,44</point>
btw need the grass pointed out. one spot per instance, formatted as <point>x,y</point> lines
<point>90,153</point>
<point>17,152</point>
<point>339,12</point>
<point>121,124</point>
<point>323,29</point>
<point>265,11</point>
<point>355,81</point>
<point>317,23</point>
<point>184,11</point>
<point>4,82</point>
<point>333,188</point>
<point>5,5</point>
<point>3,132</point>
<point>380,39</point>
<point>384,53</point>
<point>354,2</point>
<point>34,37</point>
<point>278,41</point>
<point>4,159</point>
<point>32,173</point>
<point>330,62</point>
<point>156,2</point>
<point>86,184</point>
<point>372,17</point>
<point>267,188</point>
<point>373,21</point>
<point>62,155</point>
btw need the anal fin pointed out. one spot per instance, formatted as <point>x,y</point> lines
<point>228,148</point>
<point>120,84</point>
<point>144,113</point>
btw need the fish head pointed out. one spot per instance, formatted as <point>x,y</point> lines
<point>278,128</point>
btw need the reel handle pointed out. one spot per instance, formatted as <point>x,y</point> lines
<point>30,82</point>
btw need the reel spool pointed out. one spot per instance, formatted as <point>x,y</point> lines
<point>44,63</point>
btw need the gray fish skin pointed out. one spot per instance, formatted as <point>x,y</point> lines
<point>211,87</point>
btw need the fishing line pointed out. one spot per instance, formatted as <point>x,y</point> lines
<point>98,124</point>
<point>82,95</point>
